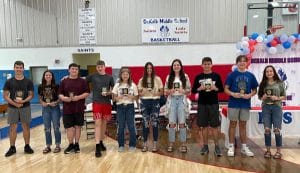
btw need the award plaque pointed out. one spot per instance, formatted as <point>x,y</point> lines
<point>149,86</point>
<point>242,87</point>
<point>19,95</point>
<point>269,92</point>
<point>48,100</point>
<point>71,95</point>
<point>207,84</point>
<point>176,85</point>
<point>104,90</point>
<point>124,91</point>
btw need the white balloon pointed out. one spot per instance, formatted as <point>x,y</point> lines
<point>245,39</point>
<point>272,50</point>
<point>259,39</point>
<point>245,44</point>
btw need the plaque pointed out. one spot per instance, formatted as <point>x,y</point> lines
<point>71,95</point>
<point>104,90</point>
<point>176,85</point>
<point>242,87</point>
<point>48,100</point>
<point>124,91</point>
<point>149,86</point>
<point>207,84</point>
<point>269,92</point>
<point>19,95</point>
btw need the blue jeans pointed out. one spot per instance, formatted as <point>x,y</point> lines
<point>125,115</point>
<point>150,112</point>
<point>272,115</point>
<point>52,114</point>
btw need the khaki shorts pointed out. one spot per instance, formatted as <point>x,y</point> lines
<point>236,114</point>
<point>16,115</point>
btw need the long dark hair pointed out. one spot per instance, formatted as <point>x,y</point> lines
<point>264,80</point>
<point>172,75</point>
<point>122,70</point>
<point>44,82</point>
<point>145,76</point>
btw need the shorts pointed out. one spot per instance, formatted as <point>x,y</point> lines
<point>71,120</point>
<point>102,111</point>
<point>236,114</point>
<point>208,115</point>
<point>16,115</point>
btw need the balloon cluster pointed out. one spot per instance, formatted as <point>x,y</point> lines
<point>273,44</point>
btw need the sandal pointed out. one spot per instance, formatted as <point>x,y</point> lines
<point>145,149</point>
<point>183,149</point>
<point>170,149</point>
<point>57,149</point>
<point>154,149</point>
<point>46,150</point>
<point>268,154</point>
<point>277,155</point>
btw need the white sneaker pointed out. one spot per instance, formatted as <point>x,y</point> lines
<point>246,151</point>
<point>230,152</point>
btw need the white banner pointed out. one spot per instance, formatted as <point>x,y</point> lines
<point>87,26</point>
<point>287,66</point>
<point>165,30</point>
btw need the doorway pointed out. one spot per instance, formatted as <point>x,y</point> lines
<point>85,60</point>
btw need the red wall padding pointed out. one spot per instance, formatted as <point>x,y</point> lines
<point>191,70</point>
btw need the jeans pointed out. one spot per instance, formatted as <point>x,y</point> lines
<point>150,112</point>
<point>177,115</point>
<point>52,114</point>
<point>125,115</point>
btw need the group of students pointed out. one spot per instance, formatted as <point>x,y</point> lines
<point>240,85</point>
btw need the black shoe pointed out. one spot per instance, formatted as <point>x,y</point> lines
<point>98,150</point>
<point>218,151</point>
<point>204,150</point>
<point>76,148</point>
<point>69,149</point>
<point>102,147</point>
<point>28,149</point>
<point>11,151</point>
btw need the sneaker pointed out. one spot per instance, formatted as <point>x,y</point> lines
<point>11,151</point>
<point>121,149</point>
<point>230,152</point>
<point>204,150</point>
<point>218,151</point>
<point>28,149</point>
<point>132,149</point>
<point>98,150</point>
<point>69,149</point>
<point>246,151</point>
<point>76,148</point>
<point>102,147</point>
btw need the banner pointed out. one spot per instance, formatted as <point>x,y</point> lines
<point>87,26</point>
<point>165,30</point>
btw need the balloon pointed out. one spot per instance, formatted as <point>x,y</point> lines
<point>251,42</point>
<point>272,50</point>
<point>260,39</point>
<point>254,35</point>
<point>270,38</point>
<point>273,43</point>
<point>245,50</point>
<point>251,48</point>
<point>291,39</point>
<point>238,45</point>
<point>245,44</point>
<point>234,68</point>
<point>245,39</point>
<point>268,44</point>
<point>279,48</point>
<point>286,45</point>
<point>284,38</point>
<point>277,40</point>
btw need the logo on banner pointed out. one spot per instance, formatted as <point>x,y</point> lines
<point>164,31</point>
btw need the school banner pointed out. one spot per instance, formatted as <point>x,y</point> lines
<point>165,30</point>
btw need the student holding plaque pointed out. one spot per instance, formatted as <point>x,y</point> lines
<point>48,96</point>
<point>177,88</point>
<point>240,85</point>
<point>150,89</point>
<point>272,92</point>
<point>208,84</point>
<point>18,91</point>
<point>125,93</point>
<point>72,92</point>
<point>102,85</point>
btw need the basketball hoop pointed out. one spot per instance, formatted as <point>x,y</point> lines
<point>274,28</point>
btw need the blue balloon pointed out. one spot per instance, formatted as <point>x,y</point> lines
<point>283,38</point>
<point>245,50</point>
<point>254,35</point>
<point>270,38</point>
<point>269,44</point>
<point>286,44</point>
<point>296,35</point>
